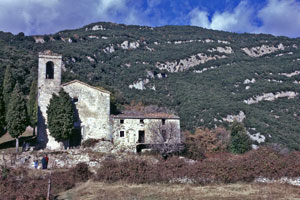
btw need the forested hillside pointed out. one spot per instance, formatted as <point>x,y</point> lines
<point>204,75</point>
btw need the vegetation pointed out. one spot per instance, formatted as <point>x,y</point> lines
<point>165,138</point>
<point>222,168</point>
<point>8,86</point>
<point>239,140</point>
<point>200,99</point>
<point>32,105</point>
<point>2,114</point>
<point>205,142</point>
<point>36,186</point>
<point>60,114</point>
<point>16,116</point>
<point>253,191</point>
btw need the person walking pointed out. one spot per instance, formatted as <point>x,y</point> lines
<point>44,165</point>
<point>47,159</point>
<point>36,164</point>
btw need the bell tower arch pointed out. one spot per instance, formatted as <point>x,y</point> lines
<point>49,82</point>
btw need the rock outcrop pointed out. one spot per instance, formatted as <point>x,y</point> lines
<point>262,50</point>
<point>185,64</point>
<point>271,97</point>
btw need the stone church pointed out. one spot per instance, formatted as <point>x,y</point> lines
<point>93,118</point>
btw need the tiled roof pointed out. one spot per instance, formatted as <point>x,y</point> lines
<point>146,116</point>
<point>77,81</point>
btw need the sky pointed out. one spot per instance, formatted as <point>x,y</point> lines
<point>35,17</point>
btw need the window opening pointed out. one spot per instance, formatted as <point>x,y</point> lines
<point>121,121</point>
<point>121,133</point>
<point>49,70</point>
<point>141,137</point>
<point>163,121</point>
<point>141,121</point>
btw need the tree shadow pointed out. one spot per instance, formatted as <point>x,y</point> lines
<point>42,136</point>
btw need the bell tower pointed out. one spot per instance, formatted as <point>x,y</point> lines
<point>49,81</point>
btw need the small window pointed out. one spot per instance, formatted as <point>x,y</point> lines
<point>75,99</point>
<point>141,138</point>
<point>163,121</point>
<point>164,135</point>
<point>141,121</point>
<point>49,70</point>
<point>121,133</point>
<point>121,121</point>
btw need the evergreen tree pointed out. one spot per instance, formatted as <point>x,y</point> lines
<point>239,140</point>
<point>60,114</point>
<point>32,106</point>
<point>16,115</point>
<point>2,114</point>
<point>8,86</point>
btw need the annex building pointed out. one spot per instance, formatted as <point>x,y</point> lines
<point>93,118</point>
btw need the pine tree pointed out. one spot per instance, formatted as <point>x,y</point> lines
<point>8,86</point>
<point>16,116</point>
<point>2,114</point>
<point>239,140</point>
<point>32,106</point>
<point>60,114</point>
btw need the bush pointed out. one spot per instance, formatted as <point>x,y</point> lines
<point>227,168</point>
<point>21,184</point>
<point>205,141</point>
<point>89,143</point>
<point>81,172</point>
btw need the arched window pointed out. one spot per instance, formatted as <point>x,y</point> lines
<point>49,70</point>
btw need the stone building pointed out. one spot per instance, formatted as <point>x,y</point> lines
<point>93,119</point>
<point>140,130</point>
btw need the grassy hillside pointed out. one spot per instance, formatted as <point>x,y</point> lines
<point>203,75</point>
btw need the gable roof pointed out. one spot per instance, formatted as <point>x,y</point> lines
<point>93,87</point>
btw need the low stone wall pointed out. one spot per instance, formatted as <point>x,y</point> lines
<point>61,159</point>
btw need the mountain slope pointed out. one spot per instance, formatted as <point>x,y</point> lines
<point>205,76</point>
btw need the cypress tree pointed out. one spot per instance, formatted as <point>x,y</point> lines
<point>32,106</point>
<point>2,114</point>
<point>239,140</point>
<point>16,116</point>
<point>60,114</point>
<point>8,86</point>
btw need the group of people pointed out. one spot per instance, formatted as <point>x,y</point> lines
<point>44,162</point>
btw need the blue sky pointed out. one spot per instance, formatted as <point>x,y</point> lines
<point>277,17</point>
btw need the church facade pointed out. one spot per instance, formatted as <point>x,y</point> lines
<point>92,113</point>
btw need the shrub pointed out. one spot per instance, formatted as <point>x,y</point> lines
<point>205,141</point>
<point>89,142</point>
<point>21,184</point>
<point>81,172</point>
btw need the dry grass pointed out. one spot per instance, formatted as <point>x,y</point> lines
<point>7,138</point>
<point>123,191</point>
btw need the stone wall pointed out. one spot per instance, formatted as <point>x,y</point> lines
<point>132,126</point>
<point>93,107</point>
<point>46,87</point>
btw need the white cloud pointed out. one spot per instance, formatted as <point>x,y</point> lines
<point>239,20</point>
<point>199,18</point>
<point>49,16</point>
<point>278,17</point>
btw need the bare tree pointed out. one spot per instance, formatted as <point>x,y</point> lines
<point>165,138</point>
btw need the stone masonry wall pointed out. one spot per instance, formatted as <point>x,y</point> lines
<point>131,128</point>
<point>46,87</point>
<point>93,107</point>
